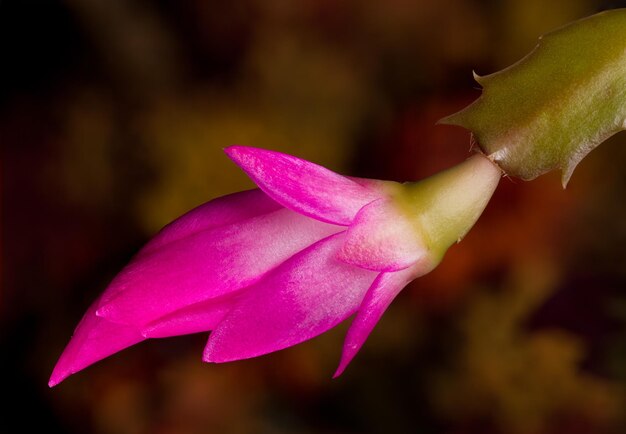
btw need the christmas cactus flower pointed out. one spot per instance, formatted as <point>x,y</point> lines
<point>269,268</point>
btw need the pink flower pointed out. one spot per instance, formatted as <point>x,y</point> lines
<point>269,268</point>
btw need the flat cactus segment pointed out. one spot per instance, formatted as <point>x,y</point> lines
<point>551,108</point>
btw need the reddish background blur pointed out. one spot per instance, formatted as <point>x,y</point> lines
<point>113,116</point>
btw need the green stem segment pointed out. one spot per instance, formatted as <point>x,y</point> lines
<point>550,109</point>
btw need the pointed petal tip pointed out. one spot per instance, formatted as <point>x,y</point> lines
<point>302,186</point>
<point>56,378</point>
<point>208,356</point>
<point>379,296</point>
<point>251,159</point>
<point>62,370</point>
<point>211,354</point>
<point>233,150</point>
<point>237,153</point>
<point>218,350</point>
<point>59,375</point>
<point>346,357</point>
<point>94,339</point>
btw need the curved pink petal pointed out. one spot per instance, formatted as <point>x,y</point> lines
<point>96,338</point>
<point>381,238</point>
<point>199,317</point>
<point>206,265</point>
<point>93,340</point>
<point>304,297</point>
<point>382,292</point>
<point>302,186</point>
<point>218,212</point>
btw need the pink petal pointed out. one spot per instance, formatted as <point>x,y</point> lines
<point>218,212</point>
<point>304,297</point>
<point>371,184</point>
<point>378,298</point>
<point>199,317</point>
<point>302,186</point>
<point>96,338</point>
<point>206,265</point>
<point>93,340</point>
<point>381,238</point>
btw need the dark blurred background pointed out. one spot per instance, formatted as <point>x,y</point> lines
<point>113,115</point>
